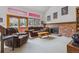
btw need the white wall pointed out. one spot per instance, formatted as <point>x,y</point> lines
<point>3,11</point>
<point>71,16</point>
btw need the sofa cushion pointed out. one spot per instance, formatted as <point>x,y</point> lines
<point>21,33</point>
<point>22,36</point>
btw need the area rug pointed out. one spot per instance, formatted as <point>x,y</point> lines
<point>50,38</point>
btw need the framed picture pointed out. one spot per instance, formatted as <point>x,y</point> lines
<point>48,18</point>
<point>55,15</point>
<point>1,19</point>
<point>64,10</point>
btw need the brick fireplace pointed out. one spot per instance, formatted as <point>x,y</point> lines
<point>66,29</point>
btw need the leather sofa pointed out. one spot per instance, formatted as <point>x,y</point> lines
<point>22,38</point>
<point>34,30</point>
<point>19,40</point>
<point>33,33</point>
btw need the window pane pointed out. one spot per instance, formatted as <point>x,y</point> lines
<point>30,22</point>
<point>33,22</point>
<point>23,22</point>
<point>13,22</point>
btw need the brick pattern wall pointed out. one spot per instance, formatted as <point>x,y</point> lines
<point>67,29</point>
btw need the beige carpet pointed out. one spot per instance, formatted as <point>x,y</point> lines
<point>39,45</point>
<point>6,49</point>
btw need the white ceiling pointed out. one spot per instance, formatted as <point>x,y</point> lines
<point>41,9</point>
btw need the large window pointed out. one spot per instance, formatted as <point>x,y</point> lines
<point>37,22</point>
<point>31,22</point>
<point>23,22</point>
<point>17,22</point>
<point>34,22</point>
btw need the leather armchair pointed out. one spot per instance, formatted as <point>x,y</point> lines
<point>19,40</point>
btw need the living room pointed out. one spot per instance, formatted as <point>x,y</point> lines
<point>38,29</point>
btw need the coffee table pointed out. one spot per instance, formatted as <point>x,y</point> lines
<point>40,34</point>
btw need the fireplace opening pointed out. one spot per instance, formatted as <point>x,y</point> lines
<point>54,30</point>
